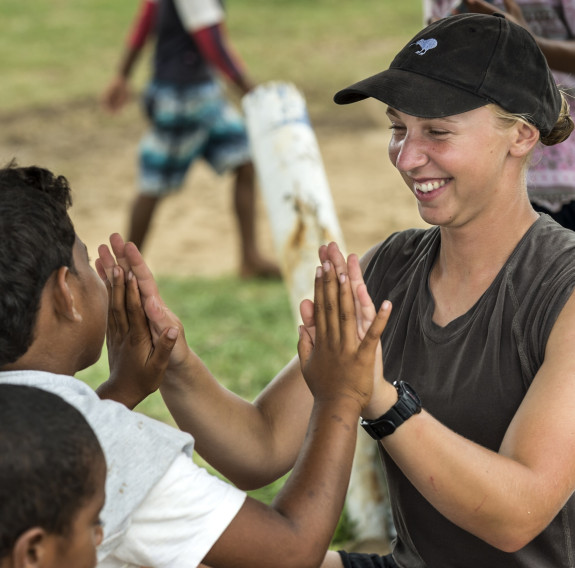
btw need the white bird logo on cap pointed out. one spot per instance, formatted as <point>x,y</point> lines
<point>425,45</point>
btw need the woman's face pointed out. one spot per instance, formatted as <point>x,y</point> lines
<point>457,166</point>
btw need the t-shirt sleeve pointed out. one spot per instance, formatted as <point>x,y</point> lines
<point>198,14</point>
<point>179,521</point>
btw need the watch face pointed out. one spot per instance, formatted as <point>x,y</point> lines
<point>408,404</point>
<point>408,391</point>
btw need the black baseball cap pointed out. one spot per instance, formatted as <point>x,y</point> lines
<point>464,62</point>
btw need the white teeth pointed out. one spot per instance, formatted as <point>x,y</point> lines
<point>427,187</point>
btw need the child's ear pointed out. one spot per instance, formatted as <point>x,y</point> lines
<point>63,295</point>
<point>31,549</point>
<point>526,136</point>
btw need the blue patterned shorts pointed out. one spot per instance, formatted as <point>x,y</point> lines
<point>186,124</point>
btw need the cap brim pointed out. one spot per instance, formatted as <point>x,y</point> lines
<point>412,93</point>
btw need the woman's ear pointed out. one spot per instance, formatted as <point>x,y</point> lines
<point>524,140</point>
<point>63,294</point>
<point>31,549</point>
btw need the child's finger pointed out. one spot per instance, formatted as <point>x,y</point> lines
<point>331,302</point>
<point>318,304</point>
<point>119,300</point>
<point>347,318</point>
<point>136,318</point>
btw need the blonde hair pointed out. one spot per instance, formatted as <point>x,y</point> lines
<point>560,132</point>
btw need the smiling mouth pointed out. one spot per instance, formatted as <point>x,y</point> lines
<point>430,186</point>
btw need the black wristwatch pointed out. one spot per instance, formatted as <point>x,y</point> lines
<point>406,406</point>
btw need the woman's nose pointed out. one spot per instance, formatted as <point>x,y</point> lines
<point>410,154</point>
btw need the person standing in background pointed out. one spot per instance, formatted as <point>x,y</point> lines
<point>189,115</point>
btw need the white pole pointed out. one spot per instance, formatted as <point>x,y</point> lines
<point>293,183</point>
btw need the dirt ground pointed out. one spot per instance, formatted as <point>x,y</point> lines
<point>194,230</point>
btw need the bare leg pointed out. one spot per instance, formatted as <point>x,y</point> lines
<point>142,212</point>
<point>252,263</point>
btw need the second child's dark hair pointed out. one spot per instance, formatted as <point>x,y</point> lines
<point>36,238</point>
<point>49,465</point>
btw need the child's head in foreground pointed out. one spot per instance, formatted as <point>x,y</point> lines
<point>52,478</point>
<point>37,237</point>
<point>44,265</point>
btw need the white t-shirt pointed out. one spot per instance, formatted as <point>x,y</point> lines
<point>180,520</point>
<point>162,510</point>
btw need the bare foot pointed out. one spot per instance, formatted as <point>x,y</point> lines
<point>260,268</point>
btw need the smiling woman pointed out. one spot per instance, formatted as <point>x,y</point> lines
<point>476,464</point>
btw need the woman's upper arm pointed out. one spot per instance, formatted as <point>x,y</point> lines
<point>541,436</point>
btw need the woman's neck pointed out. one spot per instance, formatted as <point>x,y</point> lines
<point>470,258</point>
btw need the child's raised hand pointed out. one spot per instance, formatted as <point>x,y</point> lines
<point>365,311</point>
<point>337,362</point>
<point>137,365</point>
